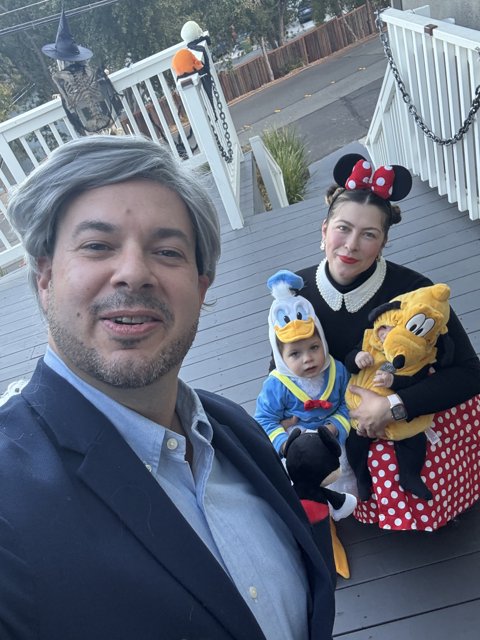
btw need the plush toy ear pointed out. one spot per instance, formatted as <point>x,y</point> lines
<point>402,183</point>
<point>344,167</point>
<point>293,436</point>
<point>329,441</point>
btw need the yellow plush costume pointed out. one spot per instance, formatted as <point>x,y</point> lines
<point>418,318</point>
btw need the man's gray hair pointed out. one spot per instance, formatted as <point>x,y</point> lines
<point>39,202</point>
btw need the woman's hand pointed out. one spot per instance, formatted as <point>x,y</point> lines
<point>373,414</point>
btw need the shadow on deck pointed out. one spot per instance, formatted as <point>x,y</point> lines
<point>403,585</point>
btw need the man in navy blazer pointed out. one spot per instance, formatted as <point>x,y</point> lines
<point>132,506</point>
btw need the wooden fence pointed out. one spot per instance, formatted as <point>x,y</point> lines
<point>318,43</point>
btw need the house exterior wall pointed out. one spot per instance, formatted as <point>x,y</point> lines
<point>465,12</point>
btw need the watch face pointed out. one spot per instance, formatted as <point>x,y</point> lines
<point>399,412</point>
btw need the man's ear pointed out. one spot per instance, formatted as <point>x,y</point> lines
<point>44,277</point>
<point>203,284</point>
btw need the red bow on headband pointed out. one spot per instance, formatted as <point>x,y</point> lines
<point>316,404</point>
<point>381,183</point>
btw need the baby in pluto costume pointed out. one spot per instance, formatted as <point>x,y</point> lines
<point>397,352</point>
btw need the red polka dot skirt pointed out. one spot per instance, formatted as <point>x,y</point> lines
<point>451,471</point>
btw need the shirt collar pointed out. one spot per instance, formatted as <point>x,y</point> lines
<point>141,434</point>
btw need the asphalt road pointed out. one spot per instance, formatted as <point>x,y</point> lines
<point>330,103</point>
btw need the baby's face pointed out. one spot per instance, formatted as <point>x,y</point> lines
<point>305,358</point>
<point>382,331</point>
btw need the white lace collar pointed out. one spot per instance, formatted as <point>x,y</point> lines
<point>355,299</point>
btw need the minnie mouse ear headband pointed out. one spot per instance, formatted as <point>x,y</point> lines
<point>391,182</point>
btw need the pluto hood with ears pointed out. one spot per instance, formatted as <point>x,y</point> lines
<point>291,317</point>
<point>418,319</point>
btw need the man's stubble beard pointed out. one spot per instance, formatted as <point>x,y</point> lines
<point>130,373</point>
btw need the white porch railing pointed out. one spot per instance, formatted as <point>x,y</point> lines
<point>154,106</point>
<point>271,173</point>
<point>215,134</point>
<point>439,64</point>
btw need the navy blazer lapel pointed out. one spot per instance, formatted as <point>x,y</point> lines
<point>139,502</point>
<point>149,513</point>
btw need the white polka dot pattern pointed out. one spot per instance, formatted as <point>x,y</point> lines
<point>451,470</point>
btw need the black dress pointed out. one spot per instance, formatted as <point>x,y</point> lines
<point>452,466</point>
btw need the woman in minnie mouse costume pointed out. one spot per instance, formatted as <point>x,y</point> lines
<point>350,281</point>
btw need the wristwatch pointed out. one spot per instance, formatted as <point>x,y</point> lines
<point>397,407</point>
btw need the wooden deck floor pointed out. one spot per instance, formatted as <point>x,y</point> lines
<point>404,585</point>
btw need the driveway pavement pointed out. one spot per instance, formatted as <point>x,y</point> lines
<point>330,103</point>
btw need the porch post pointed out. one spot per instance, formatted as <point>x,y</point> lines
<point>190,89</point>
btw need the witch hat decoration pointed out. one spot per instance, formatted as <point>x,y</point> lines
<point>65,48</point>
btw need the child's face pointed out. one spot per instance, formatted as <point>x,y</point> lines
<point>383,331</point>
<point>305,358</point>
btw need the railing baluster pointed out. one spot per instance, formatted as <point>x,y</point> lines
<point>28,151</point>
<point>438,65</point>
<point>474,76</point>
<point>56,134</point>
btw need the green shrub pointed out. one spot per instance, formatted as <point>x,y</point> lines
<point>289,66</point>
<point>245,45</point>
<point>290,152</point>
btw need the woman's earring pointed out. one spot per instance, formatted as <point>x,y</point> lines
<point>322,245</point>
<point>379,256</point>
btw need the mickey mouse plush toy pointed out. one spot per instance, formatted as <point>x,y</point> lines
<point>312,462</point>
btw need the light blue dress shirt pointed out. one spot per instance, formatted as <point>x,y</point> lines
<point>241,530</point>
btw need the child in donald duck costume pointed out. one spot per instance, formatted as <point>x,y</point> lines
<point>307,383</point>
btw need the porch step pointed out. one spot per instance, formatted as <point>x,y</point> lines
<point>250,199</point>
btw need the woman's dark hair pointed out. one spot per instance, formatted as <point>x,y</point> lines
<point>335,196</point>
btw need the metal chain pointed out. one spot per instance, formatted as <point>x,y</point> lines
<point>408,100</point>
<point>226,155</point>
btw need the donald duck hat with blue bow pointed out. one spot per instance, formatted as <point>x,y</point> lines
<point>291,317</point>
